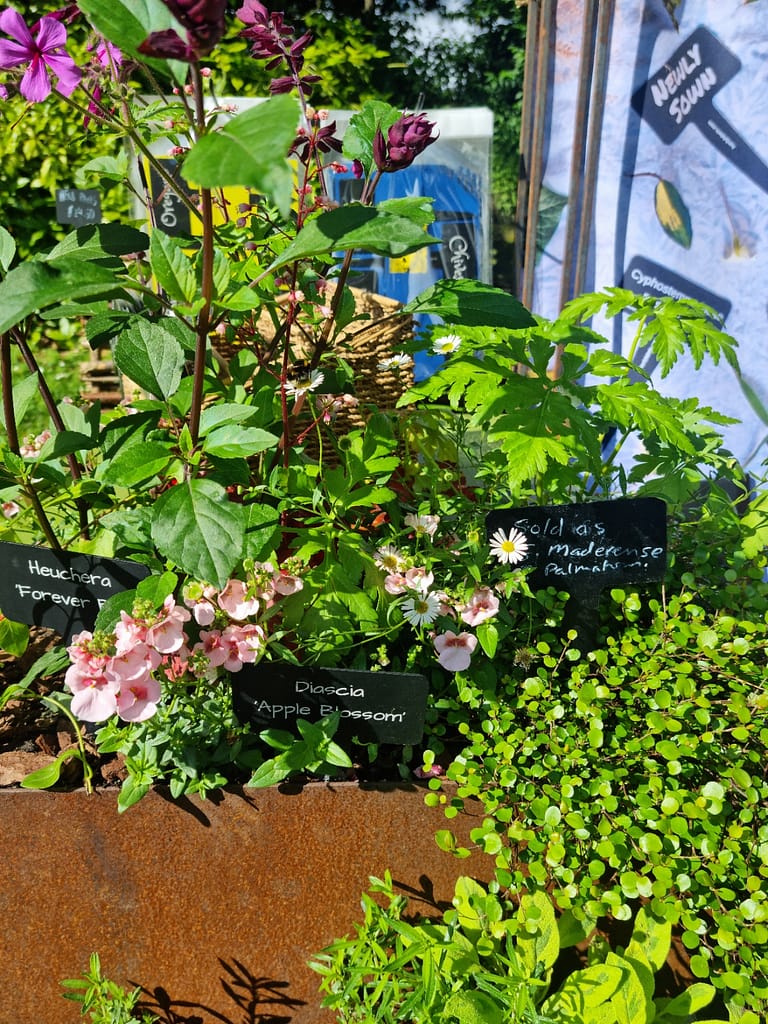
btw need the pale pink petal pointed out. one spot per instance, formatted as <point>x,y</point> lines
<point>94,703</point>
<point>138,702</point>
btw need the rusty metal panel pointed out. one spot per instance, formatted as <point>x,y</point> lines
<point>212,907</point>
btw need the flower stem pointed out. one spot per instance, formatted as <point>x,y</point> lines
<point>206,284</point>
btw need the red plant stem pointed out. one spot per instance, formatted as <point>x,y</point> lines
<point>206,284</point>
<point>58,424</point>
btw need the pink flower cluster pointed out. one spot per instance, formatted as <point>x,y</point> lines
<point>211,632</point>
<point>422,606</point>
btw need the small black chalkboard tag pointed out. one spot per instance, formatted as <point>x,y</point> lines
<point>61,590</point>
<point>78,206</point>
<point>376,707</point>
<point>583,548</point>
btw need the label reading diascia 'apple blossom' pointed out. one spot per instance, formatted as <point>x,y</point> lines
<point>375,707</point>
<point>61,590</point>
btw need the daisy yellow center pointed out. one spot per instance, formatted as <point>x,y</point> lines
<point>508,546</point>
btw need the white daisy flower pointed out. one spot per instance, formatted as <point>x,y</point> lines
<point>399,361</point>
<point>388,557</point>
<point>509,548</point>
<point>446,345</point>
<point>421,609</point>
<point>422,525</point>
<point>300,386</point>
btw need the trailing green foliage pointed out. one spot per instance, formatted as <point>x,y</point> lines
<point>491,961</point>
<point>104,1001</point>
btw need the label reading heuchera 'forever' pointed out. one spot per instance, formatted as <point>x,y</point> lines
<point>375,707</point>
<point>61,590</point>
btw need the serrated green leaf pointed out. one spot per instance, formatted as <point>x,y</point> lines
<point>139,462</point>
<point>356,227</point>
<point>199,530</point>
<point>360,132</point>
<point>127,23</point>
<point>151,357</point>
<point>250,150</point>
<point>416,208</point>
<point>230,441</point>
<point>33,286</point>
<point>172,267</point>
<point>471,303</point>
<point>100,242</point>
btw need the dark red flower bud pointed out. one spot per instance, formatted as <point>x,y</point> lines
<point>205,25</point>
<point>407,137</point>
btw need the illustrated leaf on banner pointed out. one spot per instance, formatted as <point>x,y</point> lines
<point>198,528</point>
<point>673,213</point>
<point>551,206</point>
<point>246,151</point>
<point>356,227</point>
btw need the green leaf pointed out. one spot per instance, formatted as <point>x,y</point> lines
<point>151,357</point>
<point>127,23</point>
<point>48,776</point>
<point>472,1007</point>
<point>249,150</point>
<point>172,267</point>
<point>584,990</point>
<point>358,138</point>
<point>7,249</point>
<point>47,664</point>
<point>133,465</point>
<point>157,587</point>
<point>691,1001</point>
<point>230,441</point>
<point>355,227</point>
<point>270,773</point>
<point>33,286</point>
<point>24,392</point>
<point>471,303</point>
<point>199,530</point>
<point>14,637</point>
<point>416,208</point>
<point>541,946</point>
<point>109,613</point>
<point>100,242</point>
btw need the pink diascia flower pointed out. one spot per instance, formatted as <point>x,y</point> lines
<point>44,52</point>
<point>243,645</point>
<point>454,651</point>
<point>167,635</point>
<point>285,583</point>
<point>10,509</point>
<point>419,579</point>
<point>235,601</point>
<point>481,606</point>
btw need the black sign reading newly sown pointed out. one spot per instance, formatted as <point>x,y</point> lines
<point>78,206</point>
<point>583,548</point>
<point>61,590</point>
<point>376,707</point>
<point>681,92</point>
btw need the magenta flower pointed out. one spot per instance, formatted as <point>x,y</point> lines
<point>44,52</point>
<point>408,136</point>
<point>454,651</point>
